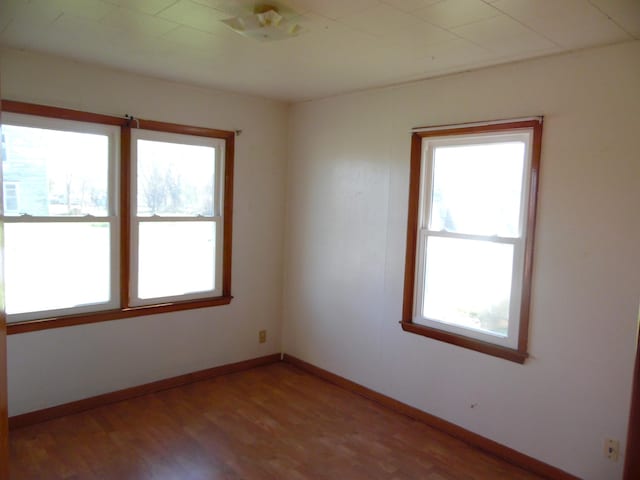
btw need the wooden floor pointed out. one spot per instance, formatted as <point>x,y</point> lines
<point>273,422</point>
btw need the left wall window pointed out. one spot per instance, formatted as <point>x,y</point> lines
<point>112,217</point>
<point>61,246</point>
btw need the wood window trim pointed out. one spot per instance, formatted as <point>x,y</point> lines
<point>4,400</point>
<point>125,124</point>
<point>519,354</point>
<point>632,454</point>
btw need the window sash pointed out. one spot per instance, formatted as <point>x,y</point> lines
<point>134,297</point>
<point>429,146</point>
<point>427,186</point>
<point>114,267</point>
<point>113,135</point>
<point>136,220</point>
<point>511,339</point>
<point>183,139</point>
<point>59,124</point>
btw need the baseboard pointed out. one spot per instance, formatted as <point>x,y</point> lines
<point>478,441</point>
<point>65,409</point>
<point>508,454</point>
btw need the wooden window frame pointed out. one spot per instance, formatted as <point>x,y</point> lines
<point>126,125</point>
<point>519,354</point>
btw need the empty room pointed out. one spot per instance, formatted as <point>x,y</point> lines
<point>320,239</point>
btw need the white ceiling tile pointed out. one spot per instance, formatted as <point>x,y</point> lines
<point>625,13</point>
<point>42,13</point>
<point>88,9</point>
<point>380,67</point>
<point>23,23</point>
<point>336,8</point>
<point>234,8</point>
<point>298,6</point>
<point>75,27</point>
<point>326,36</point>
<point>156,48</point>
<point>570,23</point>
<point>138,24</point>
<point>150,7</point>
<point>504,36</point>
<point>187,38</point>
<point>526,9</point>
<point>21,33</point>
<point>9,8</point>
<point>453,13</point>
<point>452,52</point>
<point>417,36</point>
<point>380,20</point>
<point>224,5</point>
<point>194,15</point>
<point>409,6</point>
<point>61,37</point>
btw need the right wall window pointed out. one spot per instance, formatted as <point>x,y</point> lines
<point>472,204</point>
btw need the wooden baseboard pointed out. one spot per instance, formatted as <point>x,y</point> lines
<point>508,454</point>
<point>478,441</point>
<point>65,409</point>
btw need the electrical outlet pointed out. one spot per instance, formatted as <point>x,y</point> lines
<point>611,449</point>
<point>262,336</point>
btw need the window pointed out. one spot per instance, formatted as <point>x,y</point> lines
<point>60,246</point>
<point>176,216</point>
<point>470,235</point>
<point>115,218</point>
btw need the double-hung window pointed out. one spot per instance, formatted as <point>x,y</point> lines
<point>61,248</point>
<point>176,216</point>
<point>470,235</point>
<point>109,217</point>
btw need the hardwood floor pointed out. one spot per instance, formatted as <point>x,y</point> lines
<point>272,422</point>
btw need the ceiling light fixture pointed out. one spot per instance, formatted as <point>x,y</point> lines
<point>264,24</point>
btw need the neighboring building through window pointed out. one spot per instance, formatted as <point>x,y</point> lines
<point>10,197</point>
<point>105,219</point>
<point>61,249</point>
<point>470,236</point>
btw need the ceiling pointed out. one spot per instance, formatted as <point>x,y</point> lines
<point>345,45</point>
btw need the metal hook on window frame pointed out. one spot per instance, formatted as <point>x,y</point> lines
<point>131,118</point>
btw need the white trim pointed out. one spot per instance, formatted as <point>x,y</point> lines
<point>455,126</point>
<point>24,218</point>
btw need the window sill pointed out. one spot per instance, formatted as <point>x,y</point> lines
<point>466,342</point>
<point>81,319</point>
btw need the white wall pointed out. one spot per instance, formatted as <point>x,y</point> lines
<point>57,366</point>
<point>345,240</point>
<point>346,226</point>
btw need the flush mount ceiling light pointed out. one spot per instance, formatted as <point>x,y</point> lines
<point>264,24</point>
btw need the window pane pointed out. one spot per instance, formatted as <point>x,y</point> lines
<point>175,179</point>
<point>56,265</point>
<point>477,189</point>
<point>468,283</point>
<point>55,172</point>
<point>176,258</point>
<point>10,198</point>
